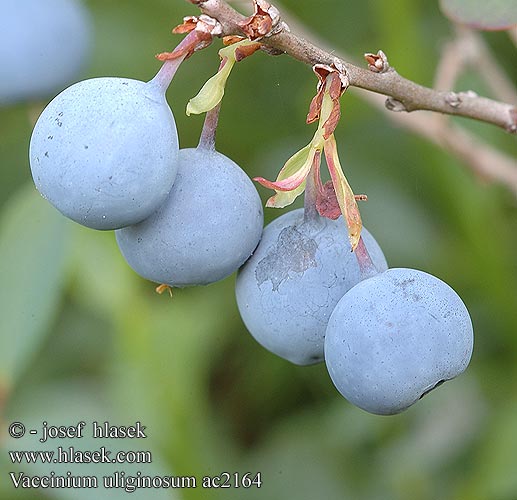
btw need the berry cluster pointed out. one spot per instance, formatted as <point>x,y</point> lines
<point>105,153</point>
<point>388,336</point>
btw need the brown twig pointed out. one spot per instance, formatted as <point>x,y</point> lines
<point>474,153</point>
<point>404,94</point>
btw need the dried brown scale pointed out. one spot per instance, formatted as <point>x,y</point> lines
<point>412,95</point>
<point>378,63</point>
<point>200,34</point>
<point>243,52</point>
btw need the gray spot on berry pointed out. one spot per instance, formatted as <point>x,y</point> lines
<point>293,252</point>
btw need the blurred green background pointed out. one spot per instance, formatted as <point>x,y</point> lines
<point>83,337</point>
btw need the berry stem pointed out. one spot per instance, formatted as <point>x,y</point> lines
<point>366,265</point>
<point>172,60</point>
<point>166,73</point>
<point>207,139</point>
<point>311,191</point>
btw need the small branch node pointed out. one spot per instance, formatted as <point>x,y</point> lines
<point>378,63</point>
<point>395,105</point>
<point>284,27</point>
<point>469,93</point>
<point>453,99</point>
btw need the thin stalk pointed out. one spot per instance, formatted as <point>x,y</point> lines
<point>366,265</point>
<point>184,49</point>
<point>207,139</point>
<point>311,190</point>
<point>166,73</point>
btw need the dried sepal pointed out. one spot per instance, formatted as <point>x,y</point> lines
<point>265,21</point>
<point>189,24</point>
<point>335,91</point>
<point>231,39</point>
<point>246,50</point>
<point>327,204</point>
<point>202,23</point>
<point>201,31</point>
<point>315,106</point>
<point>290,182</point>
<point>323,71</point>
<point>242,51</point>
<point>287,178</point>
<point>212,91</point>
<point>194,41</point>
<point>344,193</point>
<point>331,82</point>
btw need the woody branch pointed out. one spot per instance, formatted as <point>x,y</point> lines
<point>403,94</point>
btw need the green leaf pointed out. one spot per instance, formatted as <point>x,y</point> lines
<point>33,248</point>
<point>481,14</point>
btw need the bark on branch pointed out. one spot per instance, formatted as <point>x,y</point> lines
<point>403,94</point>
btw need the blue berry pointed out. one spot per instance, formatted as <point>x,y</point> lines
<point>208,226</point>
<point>288,289</point>
<point>104,151</point>
<point>394,337</point>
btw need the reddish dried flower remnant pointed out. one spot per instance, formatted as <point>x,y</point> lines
<point>201,31</point>
<point>378,63</point>
<point>335,197</point>
<point>262,22</point>
<point>326,202</point>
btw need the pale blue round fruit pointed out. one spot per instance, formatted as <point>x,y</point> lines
<point>394,337</point>
<point>288,289</point>
<point>209,225</point>
<point>104,151</point>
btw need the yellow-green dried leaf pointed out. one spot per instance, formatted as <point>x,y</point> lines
<point>212,91</point>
